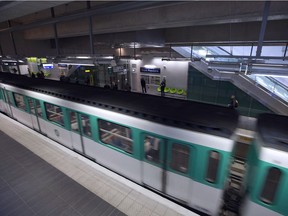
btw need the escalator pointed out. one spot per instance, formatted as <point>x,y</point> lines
<point>269,91</point>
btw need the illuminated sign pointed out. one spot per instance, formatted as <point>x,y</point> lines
<point>62,66</point>
<point>149,70</point>
<point>87,71</point>
<point>47,66</point>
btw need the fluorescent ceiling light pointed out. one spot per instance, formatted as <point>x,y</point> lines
<point>83,57</point>
<point>7,60</point>
<point>150,66</point>
<point>69,63</point>
<point>105,57</point>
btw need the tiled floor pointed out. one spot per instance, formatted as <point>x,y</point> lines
<point>59,191</point>
<point>31,186</point>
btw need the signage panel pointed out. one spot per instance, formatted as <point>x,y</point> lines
<point>149,70</point>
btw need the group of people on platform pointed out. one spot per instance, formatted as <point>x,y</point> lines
<point>162,86</point>
<point>39,74</point>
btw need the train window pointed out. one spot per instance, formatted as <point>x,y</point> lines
<point>86,125</point>
<point>19,100</point>
<point>115,135</point>
<point>38,108</point>
<point>54,113</point>
<point>152,148</point>
<point>180,158</point>
<point>74,122</point>
<point>31,105</point>
<point>270,186</point>
<point>10,98</point>
<point>213,166</point>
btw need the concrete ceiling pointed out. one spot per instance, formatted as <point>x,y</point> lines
<point>10,10</point>
<point>118,23</point>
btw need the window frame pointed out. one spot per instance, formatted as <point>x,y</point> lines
<point>82,125</point>
<point>16,97</point>
<point>267,184</point>
<point>110,136</point>
<point>216,177</point>
<point>159,161</point>
<point>61,114</point>
<point>188,162</point>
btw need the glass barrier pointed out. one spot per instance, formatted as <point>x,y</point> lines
<point>272,85</point>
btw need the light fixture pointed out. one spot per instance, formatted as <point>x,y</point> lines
<point>81,64</point>
<point>83,57</point>
<point>176,59</point>
<point>149,66</point>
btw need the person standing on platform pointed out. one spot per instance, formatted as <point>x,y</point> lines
<point>62,77</point>
<point>143,85</point>
<point>162,87</point>
<point>42,75</point>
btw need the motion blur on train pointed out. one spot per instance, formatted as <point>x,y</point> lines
<point>181,149</point>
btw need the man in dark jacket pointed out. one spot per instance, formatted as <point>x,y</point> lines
<point>143,85</point>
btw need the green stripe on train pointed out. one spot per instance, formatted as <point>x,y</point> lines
<point>256,179</point>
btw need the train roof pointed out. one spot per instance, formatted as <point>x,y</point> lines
<point>273,129</point>
<point>207,118</point>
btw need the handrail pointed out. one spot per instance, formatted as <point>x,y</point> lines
<point>276,96</point>
<point>278,83</point>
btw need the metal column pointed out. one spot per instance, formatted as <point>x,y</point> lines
<point>14,47</point>
<point>55,32</point>
<point>263,28</point>
<point>92,51</point>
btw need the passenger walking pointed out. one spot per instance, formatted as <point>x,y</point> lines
<point>143,85</point>
<point>233,102</point>
<point>162,87</point>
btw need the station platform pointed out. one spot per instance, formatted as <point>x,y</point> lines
<point>41,177</point>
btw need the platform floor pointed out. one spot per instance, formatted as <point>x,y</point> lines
<point>40,177</point>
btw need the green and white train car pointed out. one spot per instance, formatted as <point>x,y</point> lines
<point>267,180</point>
<point>179,148</point>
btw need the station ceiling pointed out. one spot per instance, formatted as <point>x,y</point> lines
<point>150,24</point>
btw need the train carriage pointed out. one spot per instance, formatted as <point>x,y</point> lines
<point>179,148</point>
<point>267,176</point>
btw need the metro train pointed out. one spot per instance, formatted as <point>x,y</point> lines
<point>179,148</point>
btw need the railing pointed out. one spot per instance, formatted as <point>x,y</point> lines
<point>273,86</point>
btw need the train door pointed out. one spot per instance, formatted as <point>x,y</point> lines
<point>76,131</point>
<point>34,114</point>
<point>154,162</point>
<point>2,104</point>
<point>8,102</point>
<point>179,162</point>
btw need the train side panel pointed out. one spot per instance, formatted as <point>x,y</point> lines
<point>22,116</point>
<point>59,134</point>
<point>267,182</point>
<point>185,155</point>
<point>110,157</point>
<point>2,101</point>
<point>206,199</point>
